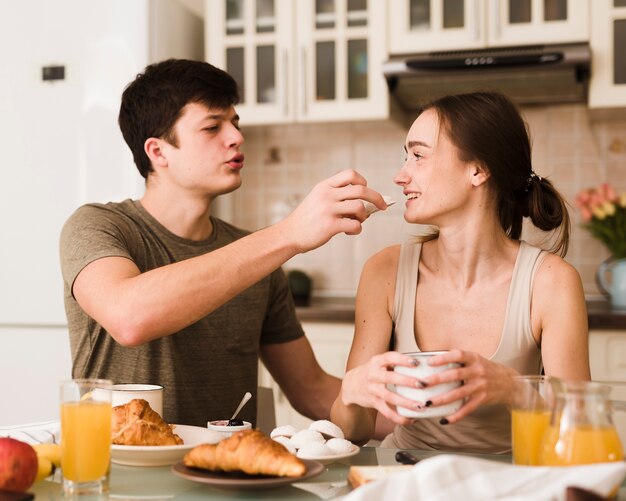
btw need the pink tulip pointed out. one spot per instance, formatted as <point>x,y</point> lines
<point>608,192</point>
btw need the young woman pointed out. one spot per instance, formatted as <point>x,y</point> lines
<point>499,305</point>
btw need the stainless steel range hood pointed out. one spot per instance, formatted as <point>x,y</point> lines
<point>538,74</point>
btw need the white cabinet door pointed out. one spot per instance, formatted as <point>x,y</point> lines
<point>331,344</point>
<point>608,45</point>
<point>341,49</point>
<point>527,22</point>
<point>607,355</point>
<point>301,61</point>
<point>433,25</point>
<point>252,40</point>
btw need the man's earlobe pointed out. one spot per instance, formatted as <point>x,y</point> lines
<point>152,147</point>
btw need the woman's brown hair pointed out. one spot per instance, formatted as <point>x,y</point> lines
<point>486,127</point>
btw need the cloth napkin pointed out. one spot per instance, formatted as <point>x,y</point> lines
<point>450,477</point>
<point>34,433</point>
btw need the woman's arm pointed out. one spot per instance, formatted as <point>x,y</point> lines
<point>559,303</point>
<point>363,391</point>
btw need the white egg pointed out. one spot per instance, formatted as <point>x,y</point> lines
<point>313,450</point>
<point>283,431</point>
<point>326,428</point>
<point>340,445</point>
<point>305,436</point>
<point>286,443</point>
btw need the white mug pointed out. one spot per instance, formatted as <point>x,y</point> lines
<point>421,371</point>
<point>152,393</point>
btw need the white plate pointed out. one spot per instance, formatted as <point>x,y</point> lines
<point>335,457</point>
<point>164,455</point>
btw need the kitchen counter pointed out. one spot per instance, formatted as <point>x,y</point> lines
<point>341,310</point>
<point>602,317</point>
<point>327,310</point>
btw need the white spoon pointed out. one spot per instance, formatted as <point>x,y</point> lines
<point>370,208</point>
<point>243,402</point>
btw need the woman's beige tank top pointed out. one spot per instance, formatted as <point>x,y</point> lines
<point>488,429</point>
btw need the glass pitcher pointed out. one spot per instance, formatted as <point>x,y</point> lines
<point>581,429</point>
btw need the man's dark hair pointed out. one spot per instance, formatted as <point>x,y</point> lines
<point>153,102</point>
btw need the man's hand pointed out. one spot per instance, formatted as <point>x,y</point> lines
<point>333,206</point>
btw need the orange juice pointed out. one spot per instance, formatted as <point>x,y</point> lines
<point>86,440</point>
<point>527,430</point>
<point>580,445</point>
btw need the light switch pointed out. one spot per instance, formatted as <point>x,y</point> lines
<point>53,73</point>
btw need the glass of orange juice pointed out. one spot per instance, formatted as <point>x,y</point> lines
<point>85,436</point>
<point>531,407</point>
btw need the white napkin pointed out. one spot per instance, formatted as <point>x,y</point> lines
<point>34,433</point>
<point>452,477</point>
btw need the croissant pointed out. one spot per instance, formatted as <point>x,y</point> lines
<point>249,451</point>
<point>136,423</point>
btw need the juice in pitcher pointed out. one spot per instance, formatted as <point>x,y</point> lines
<point>581,429</point>
<point>581,445</point>
<point>527,431</point>
<point>86,440</point>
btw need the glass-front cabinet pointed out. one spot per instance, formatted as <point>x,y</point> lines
<point>608,45</point>
<point>431,25</point>
<point>305,60</point>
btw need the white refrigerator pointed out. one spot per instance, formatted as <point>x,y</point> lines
<point>65,64</point>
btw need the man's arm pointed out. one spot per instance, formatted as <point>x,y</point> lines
<point>310,390</point>
<point>137,307</point>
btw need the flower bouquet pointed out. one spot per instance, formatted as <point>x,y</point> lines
<point>603,212</point>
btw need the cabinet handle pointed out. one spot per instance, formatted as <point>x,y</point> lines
<point>477,20</point>
<point>495,4</point>
<point>286,82</point>
<point>303,86</point>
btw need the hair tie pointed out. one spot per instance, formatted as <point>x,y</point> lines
<point>530,178</point>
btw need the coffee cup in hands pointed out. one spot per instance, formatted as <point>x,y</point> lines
<point>422,371</point>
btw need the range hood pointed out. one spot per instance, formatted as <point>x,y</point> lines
<point>538,74</point>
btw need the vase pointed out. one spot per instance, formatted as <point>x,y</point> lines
<point>611,280</point>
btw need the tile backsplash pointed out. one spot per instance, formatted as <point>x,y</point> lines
<point>284,162</point>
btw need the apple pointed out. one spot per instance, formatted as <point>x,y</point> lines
<point>18,465</point>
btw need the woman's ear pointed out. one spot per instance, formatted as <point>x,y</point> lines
<point>479,174</point>
<point>153,148</point>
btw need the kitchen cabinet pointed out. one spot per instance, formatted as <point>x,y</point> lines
<point>608,40</point>
<point>607,357</point>
<point>304,61</point>
<point>431,25</point>
<point>331,344</point>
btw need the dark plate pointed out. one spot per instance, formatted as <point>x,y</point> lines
<point>241,481</point>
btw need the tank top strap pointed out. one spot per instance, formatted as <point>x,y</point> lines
<point>405,296</point>
<point>517,335</point>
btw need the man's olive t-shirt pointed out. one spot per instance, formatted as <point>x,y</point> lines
<point>206,367</point>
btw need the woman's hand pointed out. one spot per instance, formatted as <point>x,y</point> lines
<point>366,386</point>
<point>484,382</point>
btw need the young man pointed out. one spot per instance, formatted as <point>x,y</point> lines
<point>159,291</point>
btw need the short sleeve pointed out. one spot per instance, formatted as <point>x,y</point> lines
<point>92,232</point>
